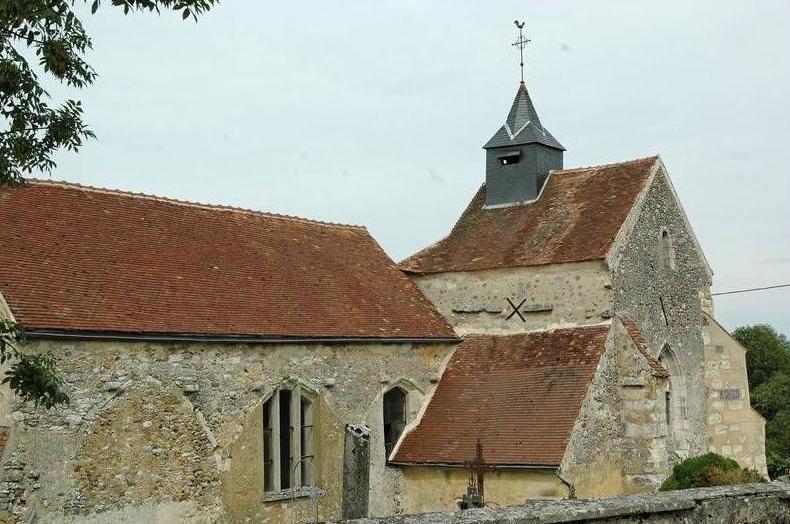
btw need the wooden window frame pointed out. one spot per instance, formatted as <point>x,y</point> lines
<point>272,468</point>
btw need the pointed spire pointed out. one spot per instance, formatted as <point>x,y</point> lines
<point>522,112</point>
<point>522,125</point>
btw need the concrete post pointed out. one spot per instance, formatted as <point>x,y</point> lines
<point>356,471</point>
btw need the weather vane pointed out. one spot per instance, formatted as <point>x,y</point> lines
<point>521,43</point>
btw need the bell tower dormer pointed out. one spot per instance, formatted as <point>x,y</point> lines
<point>521,154</point>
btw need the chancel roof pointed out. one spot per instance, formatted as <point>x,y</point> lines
<point>576,218</point>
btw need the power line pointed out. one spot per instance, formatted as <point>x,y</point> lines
<point>750,290</point>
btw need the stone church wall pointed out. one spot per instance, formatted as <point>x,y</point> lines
<point>554,295</point>
<point>735,429</point>
<point>155,430</point>
<point>437,488</point>
<point>661,293</point>
<point>618,444</point>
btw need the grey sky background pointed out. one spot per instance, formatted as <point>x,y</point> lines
<point>374,113</point>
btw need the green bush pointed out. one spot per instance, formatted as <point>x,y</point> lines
<point>717,477</point>
<point>708,470</point>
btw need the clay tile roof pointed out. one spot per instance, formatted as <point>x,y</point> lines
<point>82,259</point>
<point>520,394</point>
<point>656,368</point>
<point>576,218</point>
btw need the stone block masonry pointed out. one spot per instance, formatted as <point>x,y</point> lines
<point>161,432</point>
<point>356,471</point>
<point>767,503</point>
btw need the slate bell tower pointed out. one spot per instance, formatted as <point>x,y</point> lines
<point>521,154</point>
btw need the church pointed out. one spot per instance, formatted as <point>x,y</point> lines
<point>233,365</point>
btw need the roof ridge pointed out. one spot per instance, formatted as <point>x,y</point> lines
<point>188,203</point>
<point>613,164</point>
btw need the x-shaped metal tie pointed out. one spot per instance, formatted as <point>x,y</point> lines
<point>516,310</point>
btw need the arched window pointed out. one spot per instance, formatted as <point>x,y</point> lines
<point>288,438</point>
<point>394,417</point>
<point>667,254</point>
<point>675,402</point>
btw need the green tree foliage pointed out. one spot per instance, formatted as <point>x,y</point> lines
<point>49,32</point>
<point>768,365</point>
<point>32,377</point>
<point>772,396</point>
<point>45,36</point>
<point>769,352</point>
<point>708,470</point>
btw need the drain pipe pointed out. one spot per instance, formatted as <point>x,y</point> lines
<point>571,489</point>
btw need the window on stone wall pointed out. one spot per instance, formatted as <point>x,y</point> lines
<point>306,436</point>
<point>288,439</point>
<point>674,402</point>
<point>668,408</point>
<point>394,417</point>
<point>667,251</point>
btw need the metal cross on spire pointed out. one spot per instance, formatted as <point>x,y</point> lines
<point>521,43</point>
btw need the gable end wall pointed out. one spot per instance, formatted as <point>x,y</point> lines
<point>618,444</point>
<point>665,302</point>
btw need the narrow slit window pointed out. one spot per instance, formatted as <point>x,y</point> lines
<point>286,429</point>
<point>668,408</point>
<point>268,455</point>
<point>667,251</point>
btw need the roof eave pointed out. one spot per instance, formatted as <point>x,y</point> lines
<point>492,144</point>
<point>55,334</point>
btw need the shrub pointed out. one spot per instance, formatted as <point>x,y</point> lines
<point>708,470</point>
<point>718,477</point>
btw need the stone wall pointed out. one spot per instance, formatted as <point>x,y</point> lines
<point>554,295</point>
<point>662,293</point>
<point>440,488</point>
<point>744,504</point>
<point>618,444</point>
<point>735,429</point>
<point>169,427</point>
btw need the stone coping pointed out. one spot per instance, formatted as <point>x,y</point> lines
<point>558,511</point>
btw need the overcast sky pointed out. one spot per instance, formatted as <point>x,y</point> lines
<point>374,113</point>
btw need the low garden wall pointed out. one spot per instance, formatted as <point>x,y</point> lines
<point>765,503</point>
